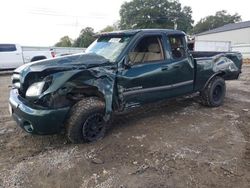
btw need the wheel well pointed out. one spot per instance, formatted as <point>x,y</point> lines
<point>36,58</point>
<point>87,91</point>
<point>220,74</point>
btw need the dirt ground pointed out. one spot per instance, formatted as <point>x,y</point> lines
<point>176,143</point>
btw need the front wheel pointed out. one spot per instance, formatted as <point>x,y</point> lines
<point>214,93</point>
<point>86,123</point>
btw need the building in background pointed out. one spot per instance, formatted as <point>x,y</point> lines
<point>237,34</point>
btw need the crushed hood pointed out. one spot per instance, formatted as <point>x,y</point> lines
<point>78,61</point>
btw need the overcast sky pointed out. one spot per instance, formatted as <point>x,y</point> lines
<point>44,22</point>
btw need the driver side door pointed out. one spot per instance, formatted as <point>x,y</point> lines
<point>148,78</point>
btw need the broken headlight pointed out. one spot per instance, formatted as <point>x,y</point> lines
<point>35,89</point>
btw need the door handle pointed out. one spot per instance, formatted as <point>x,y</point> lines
<point>163,68</point>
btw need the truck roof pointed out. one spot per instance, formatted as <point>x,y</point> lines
<point>135,31</point>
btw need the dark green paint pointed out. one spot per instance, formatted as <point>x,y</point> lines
<point>120,85</point>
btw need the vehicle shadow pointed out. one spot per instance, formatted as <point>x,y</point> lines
<point>118,122</point>
<point>154,110</point>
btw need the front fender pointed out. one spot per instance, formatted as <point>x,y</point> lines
<point>101,78</point>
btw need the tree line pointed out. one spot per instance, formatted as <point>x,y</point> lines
<point>167,14</point>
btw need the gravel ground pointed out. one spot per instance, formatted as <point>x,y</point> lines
<point>176,143</point>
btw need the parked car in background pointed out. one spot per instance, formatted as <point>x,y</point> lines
<point>14,55</point>
<point>62,51</point>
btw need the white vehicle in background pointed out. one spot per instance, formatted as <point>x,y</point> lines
<point>213,46</point>
<point>14,55</point>
<point>62,51</point>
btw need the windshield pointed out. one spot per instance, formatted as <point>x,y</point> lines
<point>110,47</point>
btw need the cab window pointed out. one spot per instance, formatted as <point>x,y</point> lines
<point>7,47</point>
<point>149,49</point>
<point>177,44</point>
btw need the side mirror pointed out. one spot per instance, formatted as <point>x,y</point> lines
<point>127,62</point>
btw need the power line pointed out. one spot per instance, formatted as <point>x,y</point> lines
<point>47,12</point>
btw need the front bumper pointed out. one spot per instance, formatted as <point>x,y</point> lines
<point>36,120</point>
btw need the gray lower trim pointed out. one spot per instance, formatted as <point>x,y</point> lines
<point>153,89</point>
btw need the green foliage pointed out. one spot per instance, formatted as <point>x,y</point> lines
<point>219,19</point>
<point>155,14</point>
<point>64,42</point>
<point>111,28</point>
<point>108,28</point>
<point>85,38</point>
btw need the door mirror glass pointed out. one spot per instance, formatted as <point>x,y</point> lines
<point>127,62</point>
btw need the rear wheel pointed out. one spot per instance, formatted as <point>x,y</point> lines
<point>214,93</point>
<point>86,123</point>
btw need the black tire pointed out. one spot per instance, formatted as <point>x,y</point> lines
<point>85,122</point>
<point>214,93</point>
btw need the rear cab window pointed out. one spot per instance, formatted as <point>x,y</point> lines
<point>7,47</point>
<point>177,44</point>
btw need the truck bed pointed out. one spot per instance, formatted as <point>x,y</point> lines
<point>236,57</point>
<point>202,54</point>
<point>209,63</point>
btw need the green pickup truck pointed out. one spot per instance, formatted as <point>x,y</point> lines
<point>118,71</point>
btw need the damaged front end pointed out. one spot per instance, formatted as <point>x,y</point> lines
<point>41,99</point>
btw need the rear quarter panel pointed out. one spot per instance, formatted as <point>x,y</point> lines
<point>227,65</point>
